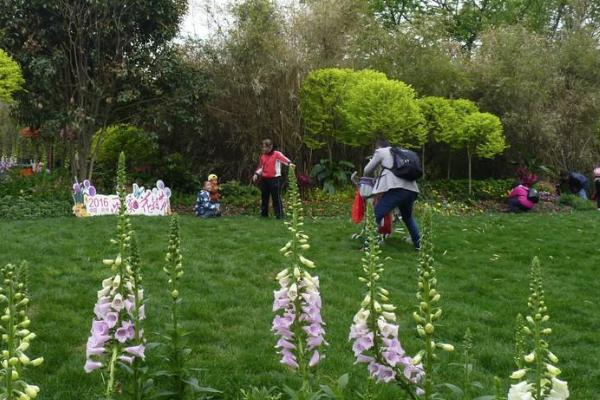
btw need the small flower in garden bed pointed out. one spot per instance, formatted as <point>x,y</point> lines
<point>298,322</point>
<point>537,374</point>
<point>374,331</point>
<point>16,336</point>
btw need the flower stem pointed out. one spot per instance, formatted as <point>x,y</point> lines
<point>110,386</point>
<point>11,339</point>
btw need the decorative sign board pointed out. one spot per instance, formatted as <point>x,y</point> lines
<point>140,202</point>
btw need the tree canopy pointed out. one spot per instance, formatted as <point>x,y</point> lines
<point>11,79</point>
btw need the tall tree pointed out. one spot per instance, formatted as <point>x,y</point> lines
<point>86,63</point>
<point>322,94</point>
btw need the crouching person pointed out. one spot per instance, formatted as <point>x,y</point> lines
<point>205,208</point>
<point>518,199</point>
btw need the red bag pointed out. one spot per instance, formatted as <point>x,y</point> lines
<point>386,225</point>
<point>358,208</point>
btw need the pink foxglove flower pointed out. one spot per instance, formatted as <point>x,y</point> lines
<point>297,303</point>
<point>374,332</point>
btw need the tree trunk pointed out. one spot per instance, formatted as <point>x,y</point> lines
<point>469,157</point>
<point>449,164</point>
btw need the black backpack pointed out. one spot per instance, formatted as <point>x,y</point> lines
<point>407,164</point>
<point>533,196</point>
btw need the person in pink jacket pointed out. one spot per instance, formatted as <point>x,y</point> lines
<point>517,199</point>
<point>597,185</point>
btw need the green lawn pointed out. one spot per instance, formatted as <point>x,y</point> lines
<point>483,266</point>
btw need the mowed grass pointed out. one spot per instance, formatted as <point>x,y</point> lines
<point>483,269</point>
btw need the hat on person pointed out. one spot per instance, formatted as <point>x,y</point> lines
<point>212,177</point>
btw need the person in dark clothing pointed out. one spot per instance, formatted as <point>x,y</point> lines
<point>577,182</point>
<point>269,172</point>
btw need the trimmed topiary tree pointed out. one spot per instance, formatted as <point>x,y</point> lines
<point>379,107</point>
<point>481,134</point>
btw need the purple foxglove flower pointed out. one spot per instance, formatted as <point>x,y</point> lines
<point>142,312</point>
<point>281,293</point>
<point>99,328</point>
<point>361,358</point>
<point>358,330</point>
<point>91,366</point>
<point>117,303</point>
<point>125,332</point>
<point>313,329</point>
<point>284,344</point>
<point>126,359</point>
<point>393,345</point>
<point>387,330</point>
<point>314,359</point>
<point>384,374</point>
<point>315,341</point>
<point>98,340</point>
<point>136,351</point>
<point>363,343</point>
<point>391,358</point>
<point>122,335</point>
<point>91,350</point>
<point>111,319</point>
<point>289,359</point>
<point>129,305</point>
<point>100,309</point>
<point>280,304</point>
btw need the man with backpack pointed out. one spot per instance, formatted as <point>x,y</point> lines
<point>396,182</point>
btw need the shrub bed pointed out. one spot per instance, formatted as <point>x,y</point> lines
<point>28,207</point>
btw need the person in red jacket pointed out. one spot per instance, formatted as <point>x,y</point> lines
<point>269,172</point>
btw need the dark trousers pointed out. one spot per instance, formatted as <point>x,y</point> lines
<point>271,187</point>
<point>404,200</point>
<point>515,206</point>
<point>597,184</point>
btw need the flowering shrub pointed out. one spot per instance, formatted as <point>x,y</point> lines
<point>6,163</point>
<point>298,322</point>
<point>16,337</point>
<point>537,376</point>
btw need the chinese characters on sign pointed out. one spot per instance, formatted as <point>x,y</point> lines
<point>140,202</point>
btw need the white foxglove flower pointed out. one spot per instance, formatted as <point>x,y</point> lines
<point>559,391</point>
<point>520,391</point>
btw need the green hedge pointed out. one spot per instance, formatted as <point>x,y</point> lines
<point>458,190</point>
<point>26,207</point>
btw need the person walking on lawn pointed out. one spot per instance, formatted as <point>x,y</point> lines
<point>395,191</point>
<point>269,173</point>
